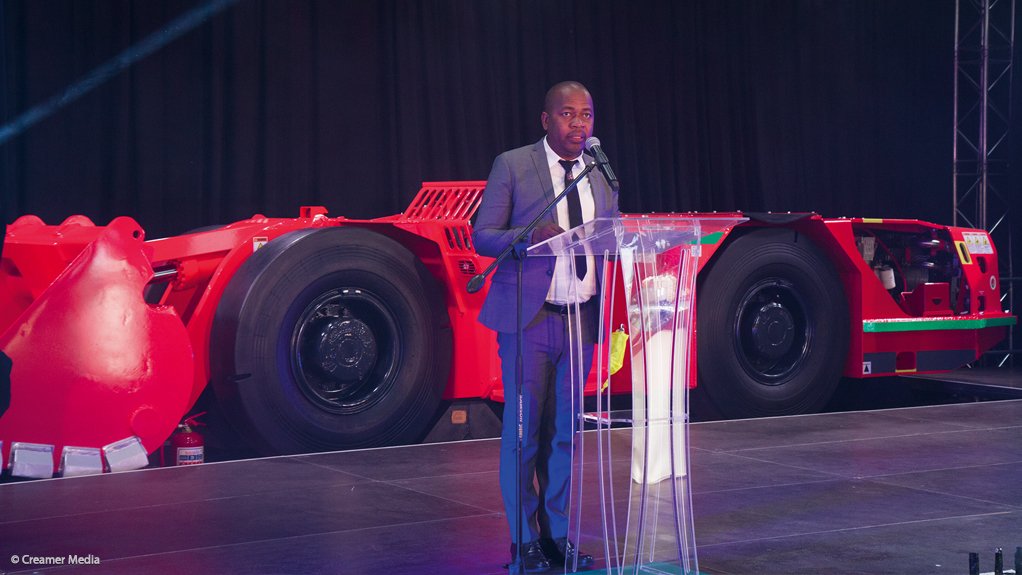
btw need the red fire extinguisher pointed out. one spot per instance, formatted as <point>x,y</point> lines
<point>186,444</point>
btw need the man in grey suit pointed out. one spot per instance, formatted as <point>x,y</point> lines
<point>521,183</point>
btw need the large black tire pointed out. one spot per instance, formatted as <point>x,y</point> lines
<point>773,326</point>
<point>331,339</point>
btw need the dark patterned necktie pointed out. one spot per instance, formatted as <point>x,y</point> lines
<point>574,212</point>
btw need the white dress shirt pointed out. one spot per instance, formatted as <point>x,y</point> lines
<point>564,281</point>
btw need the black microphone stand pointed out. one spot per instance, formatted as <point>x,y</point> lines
<point>518,247</point>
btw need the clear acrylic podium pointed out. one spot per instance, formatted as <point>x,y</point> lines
<point>631,492</point>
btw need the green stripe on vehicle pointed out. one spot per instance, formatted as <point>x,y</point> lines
<point>915,324</point>
<point>713,238</point>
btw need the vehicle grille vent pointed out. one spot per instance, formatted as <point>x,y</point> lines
<point>467,267</point>
<point>459,238</point>
<point>445,201</point>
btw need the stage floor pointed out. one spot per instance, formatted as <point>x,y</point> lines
<point>991,382</point>
<point>900,491</point>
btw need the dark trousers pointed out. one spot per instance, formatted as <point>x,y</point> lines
<point>547,425</point>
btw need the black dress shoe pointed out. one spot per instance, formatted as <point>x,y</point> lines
<point>563,552</point>
<point>533,559</point>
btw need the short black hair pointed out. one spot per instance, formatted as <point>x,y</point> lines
<point>556,88</point>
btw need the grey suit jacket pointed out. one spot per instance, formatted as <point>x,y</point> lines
<point>518,189</point>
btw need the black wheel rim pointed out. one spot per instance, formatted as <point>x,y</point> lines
<point>772,331</point>
<point>345,350</point>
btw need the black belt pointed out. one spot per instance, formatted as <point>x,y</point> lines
<point>565,309</point>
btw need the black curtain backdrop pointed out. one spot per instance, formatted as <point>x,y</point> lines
<point>843,107</point>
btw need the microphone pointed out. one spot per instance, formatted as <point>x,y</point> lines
<point>476,283</point>
<point>593,147</point>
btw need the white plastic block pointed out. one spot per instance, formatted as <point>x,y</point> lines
<point>126,454</point>
<point>75,461</point>
<point>31,460</point>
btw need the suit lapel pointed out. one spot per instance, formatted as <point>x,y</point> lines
<point>599,187</point>
<point>543,173</point>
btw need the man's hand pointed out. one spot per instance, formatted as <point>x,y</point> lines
<point>545,232</point>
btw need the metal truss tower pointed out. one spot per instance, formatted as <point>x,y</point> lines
<point>984,44</point>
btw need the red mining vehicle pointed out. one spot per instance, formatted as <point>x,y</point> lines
<point>323,333</point>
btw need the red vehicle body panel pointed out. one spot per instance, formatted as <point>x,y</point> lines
<point>56,305</point>
<point>92,363</point>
